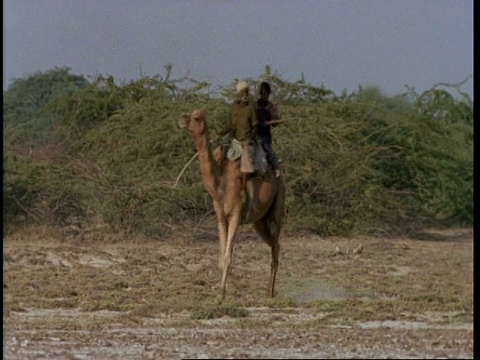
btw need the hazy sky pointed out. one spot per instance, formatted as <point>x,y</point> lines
<point>340,43</point>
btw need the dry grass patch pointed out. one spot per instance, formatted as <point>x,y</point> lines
<point>147,279</point>
<point>213,311</point>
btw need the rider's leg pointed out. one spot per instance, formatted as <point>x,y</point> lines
<point>267,145</point>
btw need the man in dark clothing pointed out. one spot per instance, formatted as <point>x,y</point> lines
<point>267,116</point>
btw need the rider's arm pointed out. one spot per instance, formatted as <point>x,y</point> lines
<point>230,127</point>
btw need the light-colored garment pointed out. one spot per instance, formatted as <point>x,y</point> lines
<point>247,159</point>
<point>235,150</point>
<point>252,157</point>
<point>241,85</point>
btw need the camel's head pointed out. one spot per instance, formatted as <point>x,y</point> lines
<point>194,122</point>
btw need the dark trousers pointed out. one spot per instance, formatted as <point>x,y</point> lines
<point>271,158</point>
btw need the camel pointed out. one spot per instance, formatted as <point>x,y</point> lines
<point>223,181</point>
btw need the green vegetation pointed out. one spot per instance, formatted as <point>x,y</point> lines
<point>92,153</point>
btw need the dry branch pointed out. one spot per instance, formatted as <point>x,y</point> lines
<point>185,168</point>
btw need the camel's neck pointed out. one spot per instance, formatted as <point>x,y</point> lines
<point>208,166</point>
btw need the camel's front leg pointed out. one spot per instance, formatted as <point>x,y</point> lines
<point>222,236</point>
<point>233,224</point>
<point>222,232</point>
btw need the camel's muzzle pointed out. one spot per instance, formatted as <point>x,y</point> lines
<point>183,121</point>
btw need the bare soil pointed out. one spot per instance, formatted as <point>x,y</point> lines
<point>115,297</point>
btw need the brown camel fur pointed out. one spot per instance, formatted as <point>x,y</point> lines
<point>223,180</point>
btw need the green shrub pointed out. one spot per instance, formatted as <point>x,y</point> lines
<point>359,162</point>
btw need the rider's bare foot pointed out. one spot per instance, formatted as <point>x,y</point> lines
<point>277,173</point>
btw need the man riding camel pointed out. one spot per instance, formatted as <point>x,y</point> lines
<point>243,127</point>
<point>267,116</point>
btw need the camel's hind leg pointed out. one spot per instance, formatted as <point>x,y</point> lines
<point>269,229</point>
<point>262,228</point>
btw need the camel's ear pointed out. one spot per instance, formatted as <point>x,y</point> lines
<point>183,121</point>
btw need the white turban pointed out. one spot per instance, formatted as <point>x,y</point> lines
<point>241,85</point>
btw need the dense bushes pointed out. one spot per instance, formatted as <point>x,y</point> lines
<point>110,153</point>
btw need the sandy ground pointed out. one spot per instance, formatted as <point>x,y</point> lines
<point>146,299</point>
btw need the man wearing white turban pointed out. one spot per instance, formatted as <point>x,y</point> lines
<point>243,126</point>
<point>241,85</point>
<point>243,118</point>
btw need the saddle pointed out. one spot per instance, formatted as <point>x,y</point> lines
<point>253,159</point>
